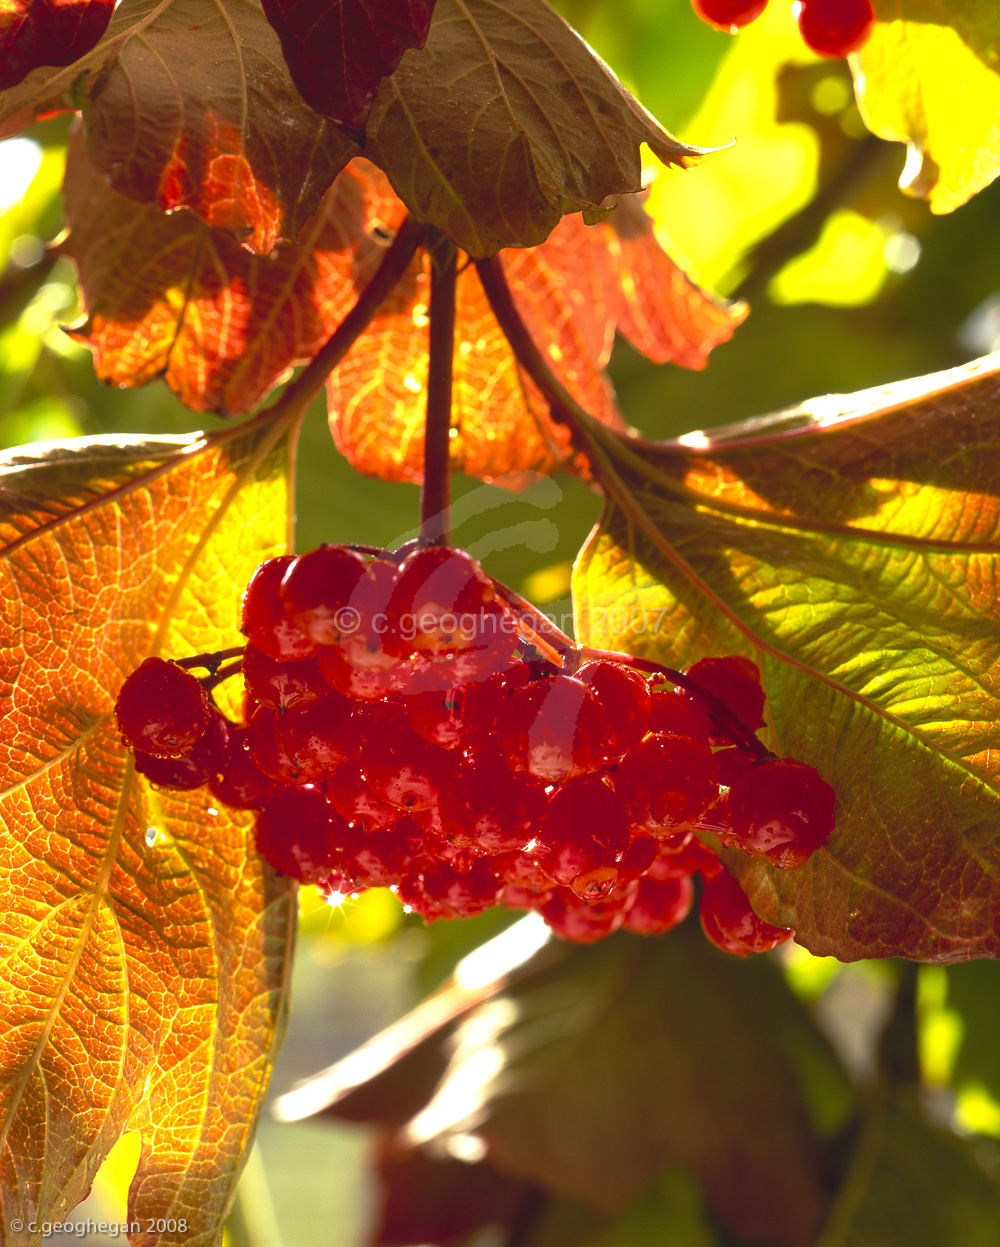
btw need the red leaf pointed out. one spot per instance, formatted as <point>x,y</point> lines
<point>167,296</point>
<point>573,290</point>
<point>47,32</point>
<point>338,51</point>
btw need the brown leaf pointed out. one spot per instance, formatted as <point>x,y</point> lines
<point>188,104</point>
<point>143,942</point>
<point>850,547</point>
<point>505,121</point>
<point>338,51</point>
<point>166,295</point>
<point>572,291</point>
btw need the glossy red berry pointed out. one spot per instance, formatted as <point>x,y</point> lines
<point>282,685</point>
<point>626,701</point>
<point>572,918</point>
<point>488,810</point>
<point>263,620</point>
<point>383,858</point>
<point>667,781</point>
<point>553,729</point>
<point>728,14</point>
<point>834,27</point>
<point>729,922</point>
<point>239,782</point>
<point>317,591</point>
<point>781,810</point>
<point>297,833</point>
<point>583,836</point>
<point>438,715</point>
<point>162,709</point>
<point>658,907</point>
<point>402,768</point>
<point>735,681</point>
<point>440,596</point>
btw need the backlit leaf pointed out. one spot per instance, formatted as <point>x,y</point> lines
<point>45,32</point>
<point>572,290</point>
<point>850,547</point>
<point>166,295</point>
<point>928,77</point>
<point>188,104</point>
<point>505,121</point>
<point>144,942</point>
<point>338,51</point>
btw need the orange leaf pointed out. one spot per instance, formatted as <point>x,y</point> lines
<point>144,943</point>
<point>166,295</point>
<point>572,291</point>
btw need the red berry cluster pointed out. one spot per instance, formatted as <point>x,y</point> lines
<point>402,730</point>
<point>828,27</point>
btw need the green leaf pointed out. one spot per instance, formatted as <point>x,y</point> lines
<point>910,1183</point>
<point>504,122</point>
<point>143,943</point>
<point>928,77</point>
<point>850,548</point>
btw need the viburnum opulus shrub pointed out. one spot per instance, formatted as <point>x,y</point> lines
<point>435,212</point>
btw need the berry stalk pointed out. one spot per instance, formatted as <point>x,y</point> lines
<point>435,493</point>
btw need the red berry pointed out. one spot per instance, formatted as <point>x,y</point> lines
<point>440,595</point>
<point>553,729</point>
<point>584,922</point>
<point>317,589</point>
<point>264,622</point>
<point>834,27</point>
<point>354,800</point>
<point>583,836</point>
<point>658,906</point>
<point>730,923</point>
<point>668,781</point>
<point>460,894</point>
<point>488,810</point>
<point>671,711</point>
<point>162,709</point>
<point>735,681</point>
<point>402,768</point>
<point>368,682</point>
<point>297,833</point>
<point>383,858</point>
<point>239,783</point>
<point>626,700</point>
<point>438,716</point>
<point>781,810</point>
<point>728,14</point>
<point>282,685</point>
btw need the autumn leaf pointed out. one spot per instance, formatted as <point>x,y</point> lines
<point>573,291</point>
<point>928,77</point>
<point>850,548</point>
<point>504,122</point>
<point>166,295</point>
<point>338,51</point>
<point>144,942</point>
<point>188,104</point>
<point>45,32</point>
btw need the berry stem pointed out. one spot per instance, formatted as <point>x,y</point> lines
<point>212,662</point>
<point>435,493</point>
<point>542,632</point>
<point>223,673</point>
<point>746,738</point>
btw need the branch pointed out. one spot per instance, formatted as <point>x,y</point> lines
<point>298,394</point>
<point>435,493</point>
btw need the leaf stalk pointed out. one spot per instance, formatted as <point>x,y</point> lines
<point>435,493</point>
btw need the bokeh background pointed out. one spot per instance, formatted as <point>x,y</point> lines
<point>851,285</point>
